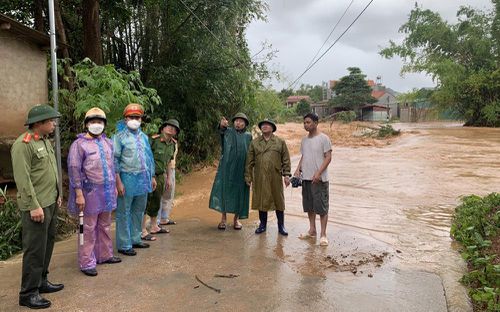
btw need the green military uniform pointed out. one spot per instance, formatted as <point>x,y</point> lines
<point>35,173</point>
<point>163,151</point>
<point>266,163</point>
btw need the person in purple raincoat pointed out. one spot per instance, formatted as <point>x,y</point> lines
<point>92,190</point>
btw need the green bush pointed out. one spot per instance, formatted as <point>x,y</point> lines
<point>10,226</point>
<point>346,116</point>
<point>387,131</point>
<point>106,88</point>
<point>475,225</point>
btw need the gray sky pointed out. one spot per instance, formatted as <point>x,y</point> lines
<point>298,28</point>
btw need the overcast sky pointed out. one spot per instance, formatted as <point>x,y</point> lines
<point>298,28</point>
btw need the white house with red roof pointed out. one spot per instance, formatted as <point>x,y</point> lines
<point>292,100</point>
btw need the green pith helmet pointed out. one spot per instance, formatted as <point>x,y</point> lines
<point>171,122</point>
<point>242,116</point>
<point>40,113</point>
<point>269,121</point>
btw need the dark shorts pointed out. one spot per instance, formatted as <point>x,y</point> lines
<point>315,197</point>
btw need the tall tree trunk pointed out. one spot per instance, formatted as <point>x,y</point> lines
<point>91,31</point>
<point>61,31</point>
<point>38,15</point>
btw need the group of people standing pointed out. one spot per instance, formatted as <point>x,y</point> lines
<point>131,174</point>
<point>134,175</point>
<point>264,164</point>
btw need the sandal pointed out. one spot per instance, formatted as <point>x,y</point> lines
<point>221,226</point>
<point>323,241</point>
<point>238,226</point>
<point>161,231</point>
<point>306,236</point>
<point>169,222</point>
<point>148,237</point>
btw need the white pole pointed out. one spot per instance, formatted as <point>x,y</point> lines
<point>55,91</point>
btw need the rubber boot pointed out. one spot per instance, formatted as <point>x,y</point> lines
<point>263,222</point>
<point>280,215</point>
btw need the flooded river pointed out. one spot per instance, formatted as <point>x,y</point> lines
<point>404,194</point>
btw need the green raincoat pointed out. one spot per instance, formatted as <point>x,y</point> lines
<point>230,193</point>
<point>267,162</point>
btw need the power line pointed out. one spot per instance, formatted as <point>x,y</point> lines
<point>331,32</point>
<point>331,46</point>
<point>208,29</point>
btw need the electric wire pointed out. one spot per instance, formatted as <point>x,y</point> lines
<point>331,46</point>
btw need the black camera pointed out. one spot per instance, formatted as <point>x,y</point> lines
<point>296,181</point>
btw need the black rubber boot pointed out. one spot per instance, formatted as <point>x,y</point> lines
<point>281,222</point>
<point>263,222</point>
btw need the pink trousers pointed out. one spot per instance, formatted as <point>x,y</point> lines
<point>97,244</point>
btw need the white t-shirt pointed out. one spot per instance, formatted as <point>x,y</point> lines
<point>313,153</point>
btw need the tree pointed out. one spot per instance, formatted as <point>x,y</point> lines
<point>303,107</point>
<point>352,91</point>
<point>92,31</point>
<point>314,92</point>
<point>194,52</point>
<point>463,59</point>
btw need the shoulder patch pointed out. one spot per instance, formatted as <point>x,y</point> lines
<point>27,137</point>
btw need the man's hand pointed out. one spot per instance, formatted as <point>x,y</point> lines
<point>120,188</point>
<point>153,183</point>
<point>287,181</point>
<point>316,178</point>
<point>37,215</point>
<point>80,201</point>
<point>59,202</point>
<point>224,123</point>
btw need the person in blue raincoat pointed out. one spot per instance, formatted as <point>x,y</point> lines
<point>135,169</point>
<point>230,194</point>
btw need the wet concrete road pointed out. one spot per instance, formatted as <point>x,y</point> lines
<point>389,223</point>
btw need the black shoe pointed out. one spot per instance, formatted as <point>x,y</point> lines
<point>282,231</point>
<point>90,272</point>
<point>140,245</point>
<point>34,302</point>
<point>113,260</point>
<point>48,287</point>
<point>128,252</point>
<point>260,229</point>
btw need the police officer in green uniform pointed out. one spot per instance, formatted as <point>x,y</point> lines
<point>35,173</point>
<point>163,148</point>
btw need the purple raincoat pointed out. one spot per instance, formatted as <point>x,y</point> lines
<point>91,168</point>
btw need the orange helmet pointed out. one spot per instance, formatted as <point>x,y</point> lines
<point>133,109</point>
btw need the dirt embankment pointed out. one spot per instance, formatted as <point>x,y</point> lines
<point>355,134</point>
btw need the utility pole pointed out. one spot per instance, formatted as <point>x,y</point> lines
<point>55,91</point>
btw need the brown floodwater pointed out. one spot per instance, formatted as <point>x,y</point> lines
<point>404,194</point>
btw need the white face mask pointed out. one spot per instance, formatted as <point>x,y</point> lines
<point>96,128</point>
<point>133,124</point>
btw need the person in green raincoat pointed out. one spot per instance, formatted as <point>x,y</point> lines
<point>268,167</point>
<point>230,194</point>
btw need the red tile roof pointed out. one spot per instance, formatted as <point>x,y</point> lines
<point>371,83</point>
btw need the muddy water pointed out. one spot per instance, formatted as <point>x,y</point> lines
<point>404,194</point>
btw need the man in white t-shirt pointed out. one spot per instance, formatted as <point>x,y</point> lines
<point>316,150</point>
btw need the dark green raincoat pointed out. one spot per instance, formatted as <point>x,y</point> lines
<point>230,193</point>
